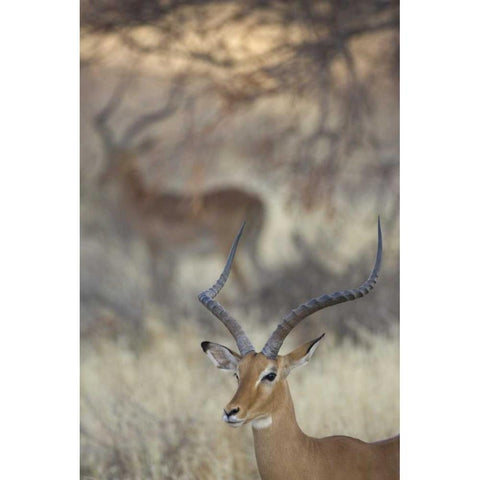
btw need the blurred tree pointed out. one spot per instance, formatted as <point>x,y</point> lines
<point>256,49</point>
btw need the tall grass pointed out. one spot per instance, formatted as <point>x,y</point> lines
<point>156,414</point>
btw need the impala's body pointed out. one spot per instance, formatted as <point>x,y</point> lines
<point>172,221</point>
<point>263,399</point>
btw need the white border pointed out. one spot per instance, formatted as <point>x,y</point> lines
<point>439,240</point>
<point>39,201</point>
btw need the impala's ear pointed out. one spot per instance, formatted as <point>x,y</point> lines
<point>301,355</point>
<point>222,357</point>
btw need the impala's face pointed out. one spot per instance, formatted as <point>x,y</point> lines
<point>259,380</point>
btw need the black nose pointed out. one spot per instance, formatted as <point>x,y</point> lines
<point>233,411</point>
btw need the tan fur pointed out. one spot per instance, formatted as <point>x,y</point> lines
<point>171,222</point>
<point>282,450</point>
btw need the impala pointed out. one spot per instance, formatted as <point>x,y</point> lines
<point>263,398</point>
<point>204,220</point>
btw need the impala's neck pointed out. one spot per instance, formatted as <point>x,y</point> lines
<point>277,441</point>
<point>283,415</point>
<point>133,184</point>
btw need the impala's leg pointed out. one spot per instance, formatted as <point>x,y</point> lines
<point>162,268</point>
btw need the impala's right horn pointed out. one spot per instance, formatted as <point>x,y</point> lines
<point>274,343</point>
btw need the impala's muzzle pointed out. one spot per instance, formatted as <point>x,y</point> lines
<point>230,417</point>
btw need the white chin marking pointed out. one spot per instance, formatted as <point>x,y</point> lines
<point>263,422</point>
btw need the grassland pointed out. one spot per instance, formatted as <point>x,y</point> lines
<point>156,414</point>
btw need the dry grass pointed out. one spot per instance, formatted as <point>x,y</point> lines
<point>156,414</point>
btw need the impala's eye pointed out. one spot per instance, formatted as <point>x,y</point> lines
<point>270,377</point>
<point>236,376</point>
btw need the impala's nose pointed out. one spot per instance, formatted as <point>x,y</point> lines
<point>230,417</point>
<point>233,411</point>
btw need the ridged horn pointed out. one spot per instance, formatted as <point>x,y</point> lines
<point>274,343</point>
<point>207,299</point>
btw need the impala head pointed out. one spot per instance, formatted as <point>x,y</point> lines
<point>260,379</point>
<point>262,376</point>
